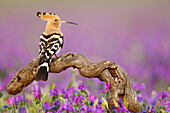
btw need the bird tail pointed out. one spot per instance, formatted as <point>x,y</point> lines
<point>43,72</point>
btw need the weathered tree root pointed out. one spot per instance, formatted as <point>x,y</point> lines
<point>107,71</point>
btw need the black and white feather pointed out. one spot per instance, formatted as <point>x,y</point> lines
<point>49,46</point>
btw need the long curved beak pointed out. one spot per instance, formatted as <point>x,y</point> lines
<point>68,22</point>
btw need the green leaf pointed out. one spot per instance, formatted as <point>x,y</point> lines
<point>53,99</point>
<point>70,84</point>
<point>27,109</point>
<point>1,110</point>
<point>138,92</point>
<point>32,111</point>
<point>1,94</point>
<point>21,104</point>
<point>104,104</point>
<point>53,85</point>
<point>61,95</point>
<point>61,99</point>
<point>52,109</point>
<point>144,106</point>
<point>75,105</point>
<point>107,92</point>
<point>96,102</point>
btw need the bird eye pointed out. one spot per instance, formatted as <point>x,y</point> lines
<point>55,20</point>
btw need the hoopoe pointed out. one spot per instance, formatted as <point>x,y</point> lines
<point>51,42</point>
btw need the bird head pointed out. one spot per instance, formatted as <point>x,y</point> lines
<point>52,18</point>
<point>53,22</point>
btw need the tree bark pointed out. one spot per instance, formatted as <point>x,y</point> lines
<point>106,70</point>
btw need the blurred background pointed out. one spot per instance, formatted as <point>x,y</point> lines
<point>134,34</point>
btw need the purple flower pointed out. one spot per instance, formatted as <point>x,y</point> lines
<point>113,107</point>
<point>82,111</point>
<point>66,95</point>
<point>16,103</point>
<point>100,101</point>
<point>124,108</point>
<point>1,87</point>
<point>81,86</point>
<point>70,91</point>
<point>148,108</point>
<point>78,99</point>
<point>98,111</point>
<point>84,108</point>
<point>108,86</point>
<point>23,98</point>
<point>54,92</point>
<point>163,102</point>
<point>144,111</point>
<point>103,91</point>
<point>168,108</point>
<point>62,108</point>
<point>153,109</point>
<point>121,100</point>
<point>142,86</point>
<point>22,110</point>
<point>47,105</point>
<point>36,92</point>
<point>57,103</point>
<point>100,108</point>
<point>89,109</point>
<point>53,108</point>
<point>5,106</point>
<point>140,99</point>
<point>137,86</point>
<point>167,102</point>
<point>69,106</point>
<point>92,98</point>
<point>165,94</point>
<point>19,98</point>
<point>63,91</point>
<point>73,98</point>
<point>11,100</point>
<point>115,111</point>
<point>82,104</point>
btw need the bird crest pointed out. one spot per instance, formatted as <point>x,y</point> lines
<point>53,22</point>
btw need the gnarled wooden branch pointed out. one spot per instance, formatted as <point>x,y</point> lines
<point>106,70</point>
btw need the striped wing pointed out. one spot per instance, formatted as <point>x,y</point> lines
<point>50,45</point>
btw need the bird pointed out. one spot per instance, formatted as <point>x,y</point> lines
<point>51,42</point>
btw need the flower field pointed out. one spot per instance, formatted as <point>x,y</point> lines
<point>76,99</point>
<point>134,34</point>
